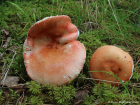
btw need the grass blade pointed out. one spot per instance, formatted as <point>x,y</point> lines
<point>115,77</point>
<point>21,11</point>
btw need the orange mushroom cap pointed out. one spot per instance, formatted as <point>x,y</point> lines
<point>114,60</point>
<point>51,53</point>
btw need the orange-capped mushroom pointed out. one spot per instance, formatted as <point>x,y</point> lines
<point>114,60</point>
<point>51,53</point>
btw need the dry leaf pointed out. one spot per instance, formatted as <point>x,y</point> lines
<point>4,32</point>
<point>6,43</point>
<point>10,81</point>
<point>80,96</point>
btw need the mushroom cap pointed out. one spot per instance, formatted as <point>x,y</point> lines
<point>51,53</point>
<point>114,60</point>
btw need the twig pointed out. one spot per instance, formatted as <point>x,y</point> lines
<point>110,81</point>
<point>22,97</point>
<point>3,68</point>
<point>137,62</point>
<point>8,69</point>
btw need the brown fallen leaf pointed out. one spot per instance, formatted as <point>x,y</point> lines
<point>6,43</point>
<point>4,32</point>
<point>10,81</point>
<point>80,96</point>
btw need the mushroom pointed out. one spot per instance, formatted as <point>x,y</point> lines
<point>114,60</point>
<point>51,53</point>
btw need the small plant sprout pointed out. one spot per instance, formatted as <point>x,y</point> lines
<point>51,53</point>
<point>113,60</point>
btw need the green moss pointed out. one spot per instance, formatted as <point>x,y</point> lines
<point>105,94</point>
<point>91,43</point>
<point>18,68</point>
<point>51,94</point>
<point>1,97</point>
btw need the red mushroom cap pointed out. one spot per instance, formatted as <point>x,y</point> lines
<point>114,60</point>
<point>51,53</point>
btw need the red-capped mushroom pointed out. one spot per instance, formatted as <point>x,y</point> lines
<point>114,60</point>
<point>51,53</point>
